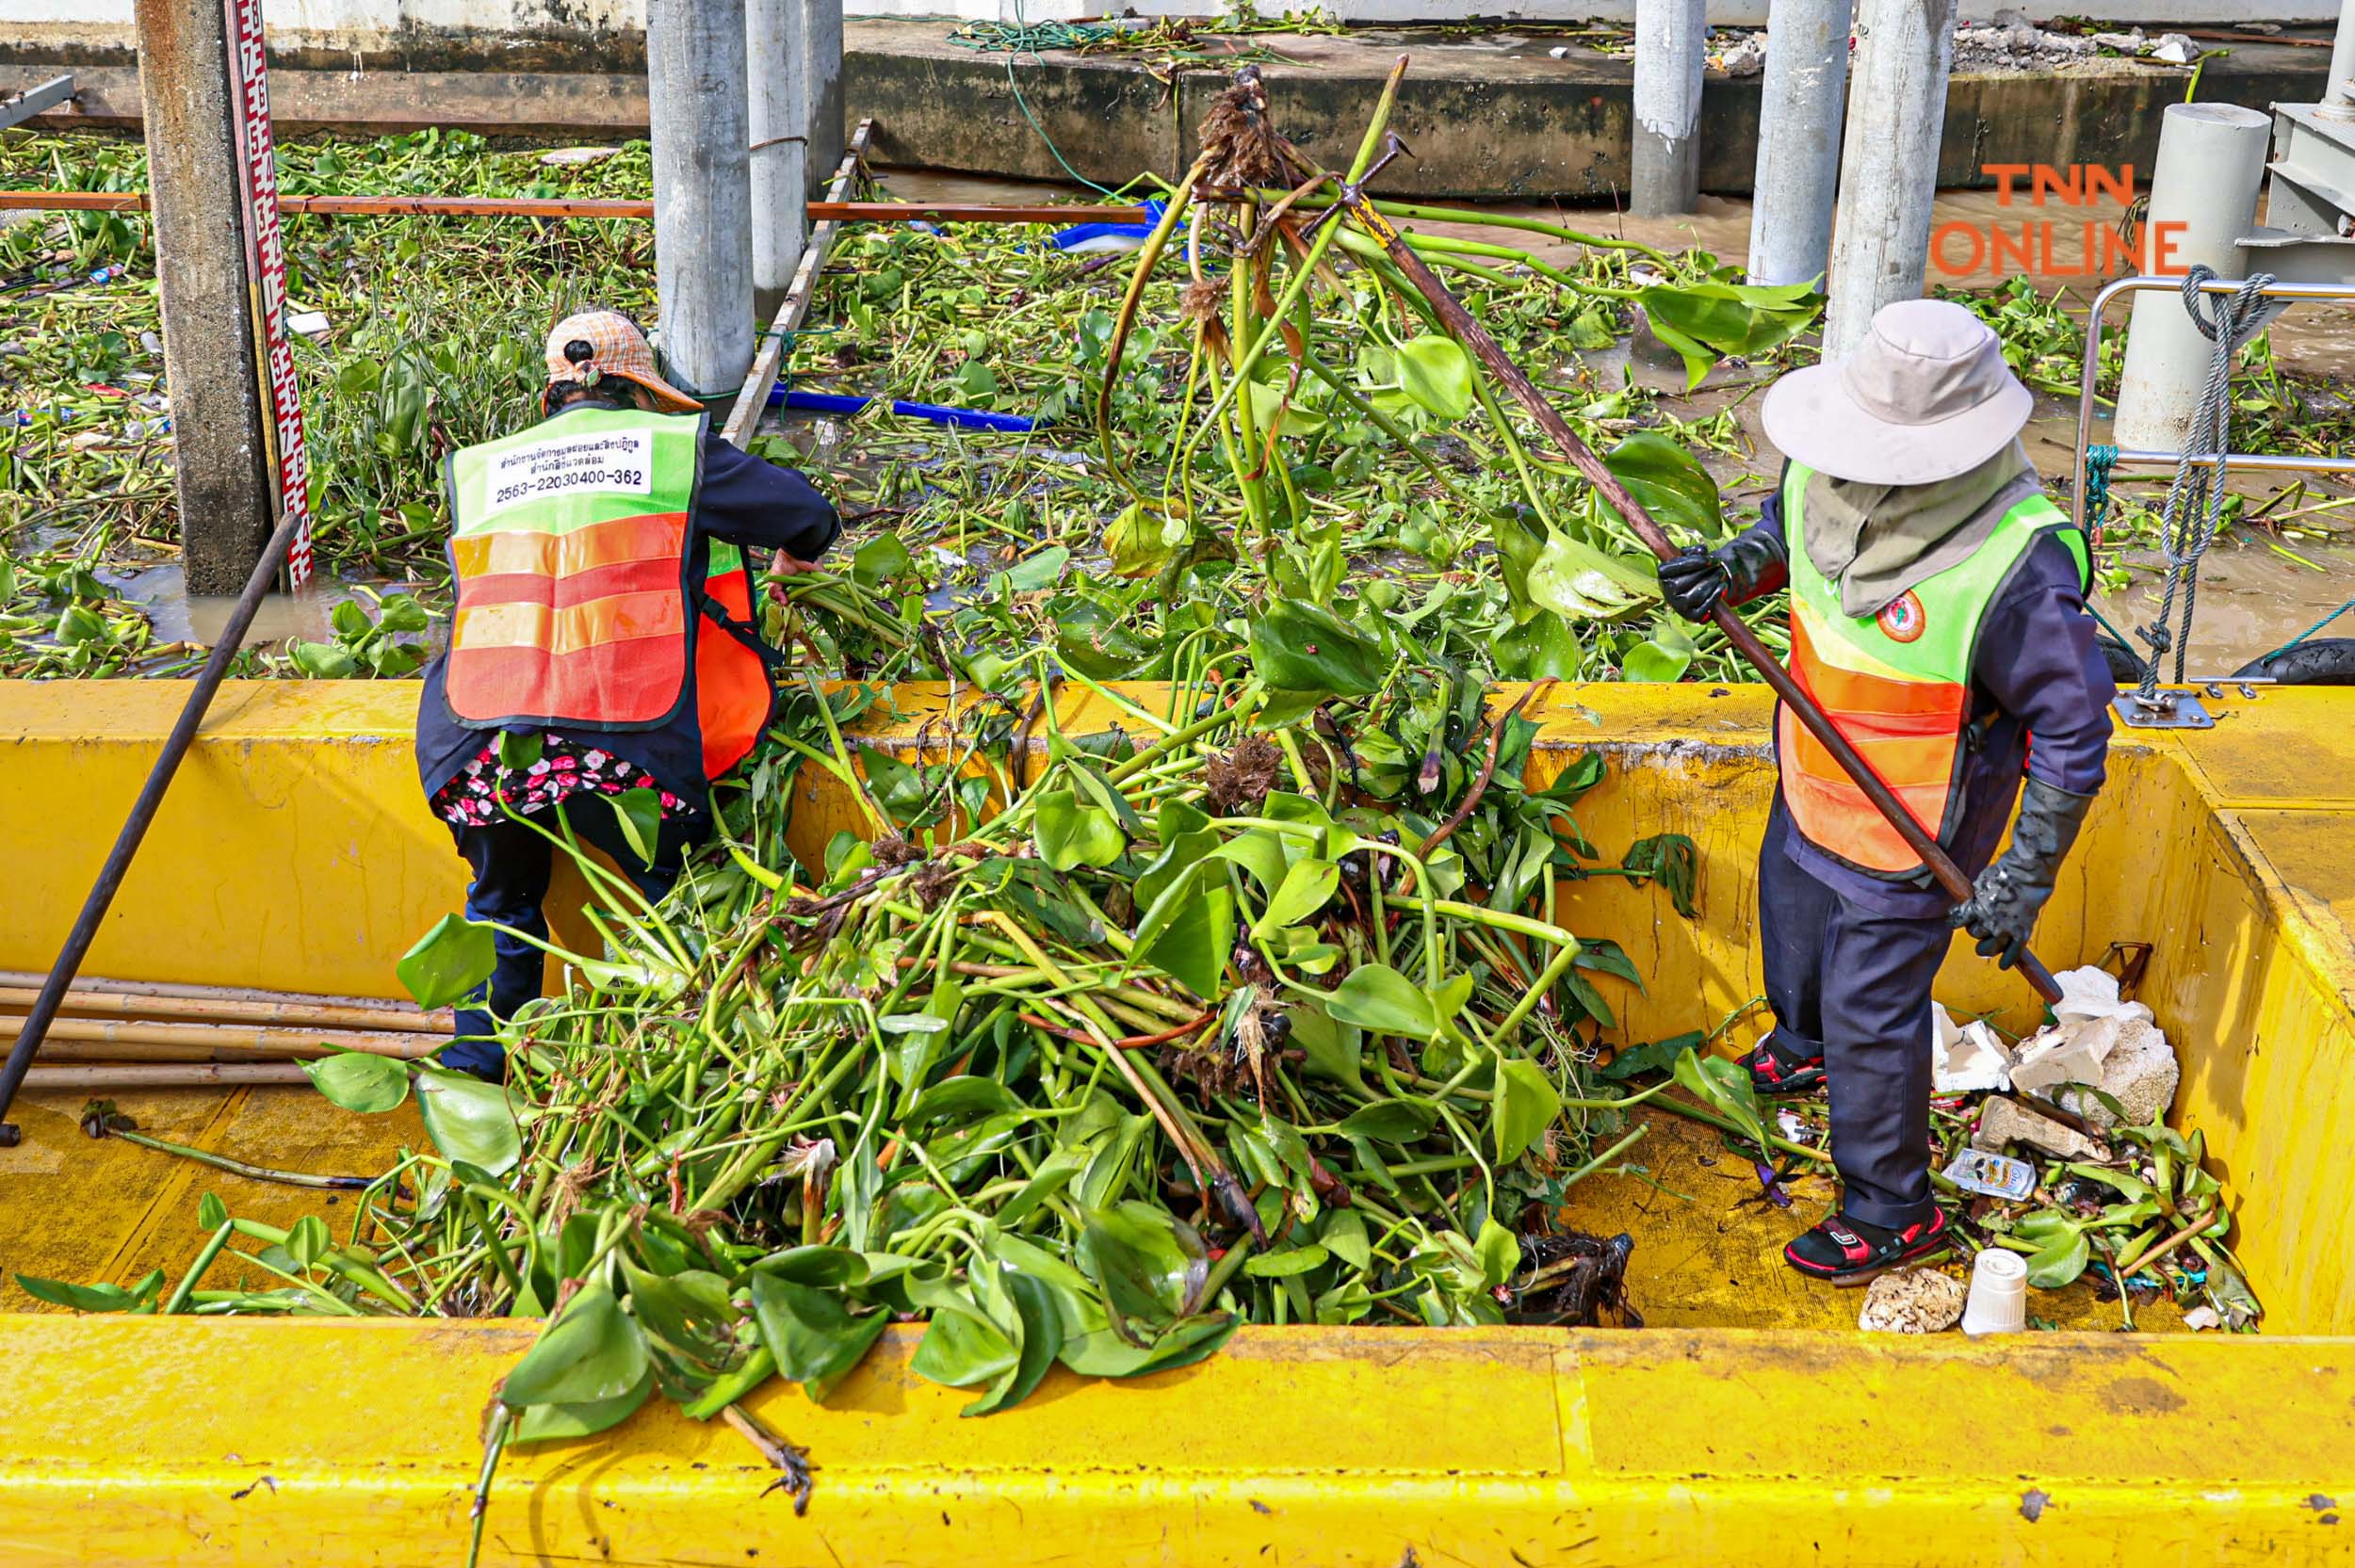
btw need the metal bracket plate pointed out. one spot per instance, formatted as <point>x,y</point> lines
<point>2166,710</point>
<point>17,108</point>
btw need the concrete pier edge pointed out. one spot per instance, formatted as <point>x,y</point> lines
<point>1489,117</point>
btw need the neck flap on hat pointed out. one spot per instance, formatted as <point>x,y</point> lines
<point>1878,542</point>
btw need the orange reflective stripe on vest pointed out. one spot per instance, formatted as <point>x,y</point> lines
<point>1897,685</point>
<point>1908,730</point>
<point>568,547</point>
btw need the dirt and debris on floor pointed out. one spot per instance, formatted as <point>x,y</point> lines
<point>1709,1245</point>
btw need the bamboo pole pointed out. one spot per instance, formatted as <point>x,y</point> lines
<point>31,980</point>
<point>291,1013</point>
<point>174,1076</point>
<point>199,1050</point>
<point>237,1042</point>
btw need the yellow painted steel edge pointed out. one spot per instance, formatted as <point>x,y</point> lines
<point>253,1442</point>
<point>143,1441</point>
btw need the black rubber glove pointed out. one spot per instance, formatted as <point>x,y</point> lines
<point>1750,563</point>
<point>2003,904</point>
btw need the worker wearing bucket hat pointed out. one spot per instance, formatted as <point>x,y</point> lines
<point>1938,614</point>
<point>601,643</point>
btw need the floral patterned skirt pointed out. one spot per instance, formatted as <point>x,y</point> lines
<point>473,797</point>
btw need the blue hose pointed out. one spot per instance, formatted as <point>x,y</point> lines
<point>964,419</point>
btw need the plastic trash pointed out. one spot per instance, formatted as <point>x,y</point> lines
<point>1999,1294</point>
<point>1992,1176</point>
<point>939,414</point>
<point>1094,239</point>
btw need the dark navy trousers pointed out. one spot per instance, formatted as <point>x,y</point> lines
<point>512,865</point>
<point>1853,986</point>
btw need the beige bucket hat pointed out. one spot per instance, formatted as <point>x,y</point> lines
<point>1925,398</point>
<point>616,347</point>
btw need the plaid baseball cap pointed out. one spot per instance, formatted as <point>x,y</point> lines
<point>616,347</point>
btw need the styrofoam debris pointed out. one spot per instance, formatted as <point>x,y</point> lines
<point>561,155</point>
<point>2092,992</point>
<point>2057,1055</point>
<point>1560,52</point>
<point>2176,49</point>
<point>1967,1057</point>
<point>2140,1072</point>
<point>2202,1318</point>
<point>1747,58</point>
<point>2101,1040</point>
<point>309,323</point>
<point>1913,1301</point>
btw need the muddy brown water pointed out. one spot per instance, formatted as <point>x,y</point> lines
<point>179,616</point>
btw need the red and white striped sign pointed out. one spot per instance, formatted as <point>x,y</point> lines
<point>257,175</point>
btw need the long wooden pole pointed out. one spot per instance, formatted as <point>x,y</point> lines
<point>286,1015</point>
<point>30,977</point>
<point>233,1041</point>
<point>191,1074</point>
<point>1472,336</point>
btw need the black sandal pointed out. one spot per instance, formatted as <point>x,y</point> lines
<point>1776,1071</point>
<point>1845,1251</point>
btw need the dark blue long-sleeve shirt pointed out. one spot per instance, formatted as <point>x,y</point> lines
<point>2036,675</point>
<point>744,501</point>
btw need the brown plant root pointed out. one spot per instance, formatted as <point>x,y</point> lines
<point>1574,1278</point>
<point>790,1458</point>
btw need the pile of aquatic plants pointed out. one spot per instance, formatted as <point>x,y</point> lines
<point>1082,1050</point>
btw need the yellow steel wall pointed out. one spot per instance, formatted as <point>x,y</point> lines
<point>296,852</point>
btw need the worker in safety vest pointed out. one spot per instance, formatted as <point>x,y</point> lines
<point>1938,614</point>
<point>602,639</point>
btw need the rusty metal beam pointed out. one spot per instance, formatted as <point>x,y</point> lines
<point>351,206</point>
<point>968,212</point>
<point>597,207</point>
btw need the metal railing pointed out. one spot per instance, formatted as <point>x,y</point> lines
<point>2263,461</point>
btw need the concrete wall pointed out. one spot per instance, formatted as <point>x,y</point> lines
<point>1748,13</point>
<point>540,35</point>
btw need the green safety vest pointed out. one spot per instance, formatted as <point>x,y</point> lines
<point>1897,685</point>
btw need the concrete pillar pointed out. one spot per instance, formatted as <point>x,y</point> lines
<point>775,33</point>
<point>822,59</point>
<point>697,100</point>
<point>2341,88</point>
<point>1670,38</point>
<point>1798,141</point>
<point>219,449</point>
<point>2204,198</point>
<point>1889,161</point>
